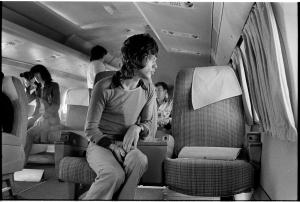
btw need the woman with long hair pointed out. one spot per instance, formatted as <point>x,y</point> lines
<point>46,126</point>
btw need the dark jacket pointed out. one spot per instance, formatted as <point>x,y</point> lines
<point>49,96</point>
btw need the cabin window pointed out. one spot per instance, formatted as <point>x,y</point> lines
<point>260,58</point>
<point>63,108</point>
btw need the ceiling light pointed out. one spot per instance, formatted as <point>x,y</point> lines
<point>110,9</point>
<point>54,56</point>
<point>12,43</point>
<point>184,51</point>
<point>180,34</point>
<point>186,5</point>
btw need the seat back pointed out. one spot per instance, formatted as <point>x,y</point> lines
<point>76,115</point>
<point>220,124</point>
<point>14,89</point>
<point>76,104</point>
<point>13,142</point>
<point>102,75</point>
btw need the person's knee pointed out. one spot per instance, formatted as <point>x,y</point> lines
<point>136,157</point>
<point>112,175</point>
<point>143,160</point>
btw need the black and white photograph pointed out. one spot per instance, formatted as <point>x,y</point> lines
<point>149,100</point>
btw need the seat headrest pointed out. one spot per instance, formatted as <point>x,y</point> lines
<point>76,115</point>
<point>9,88</point>
<point>77,96</point>
<point>101,75</point>
<point>212,84</point>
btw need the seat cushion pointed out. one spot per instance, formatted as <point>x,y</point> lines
<point>203,177</point>
<point>10,139</point>
<point>13,158</point>
<point>77,170</point>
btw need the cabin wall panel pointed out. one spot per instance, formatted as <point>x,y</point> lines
<point>14,68</point>
<point>233,19</point>
<point>279,168</point>
<point>279,176</point>
<point>170,63</point>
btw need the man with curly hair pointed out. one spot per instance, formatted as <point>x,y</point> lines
<point>113,126</point>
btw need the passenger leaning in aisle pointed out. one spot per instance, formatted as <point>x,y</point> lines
<point>113,126</point>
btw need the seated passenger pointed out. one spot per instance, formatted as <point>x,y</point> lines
<point>164,111</point>
<point>7,111</point>
<point>164,106</point>
<point>47,96</point>
<point>112,125</point>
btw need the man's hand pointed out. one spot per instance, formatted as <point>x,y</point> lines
<point>27,83</point>
<point>131,137</point>
<point>118,152</point>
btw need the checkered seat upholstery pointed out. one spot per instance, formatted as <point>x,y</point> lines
<point>220,124</point>
<point>76,170</point>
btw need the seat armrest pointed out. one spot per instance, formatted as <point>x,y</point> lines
<point>73,137</point>
<point>70,144</point>
<point>156,152</point>
<point>10,139</point>
<point>154,142</point>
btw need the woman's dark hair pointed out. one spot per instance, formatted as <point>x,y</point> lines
<point>163,85</point>
<point>135,50</point>
<point>45,74</point>
<point>97,52</point>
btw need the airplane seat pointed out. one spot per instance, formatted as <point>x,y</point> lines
<point>43,152</point>
<point>220,124</point>
<point>13,141</point>
<point>101,75</point>
<point>74,168</point>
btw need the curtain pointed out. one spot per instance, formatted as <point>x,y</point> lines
<point>238,64</point>
<point>265,72</point>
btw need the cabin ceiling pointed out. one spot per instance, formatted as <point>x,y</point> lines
<point>187,28</point>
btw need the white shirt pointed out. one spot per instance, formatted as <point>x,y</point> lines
<point>163,113</point>
<point>94,67</point>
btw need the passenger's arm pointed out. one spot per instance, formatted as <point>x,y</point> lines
<point>94,114</point>
<point>54,107</point>
<point>131,137</point>
<point>37,107</point>
<point>147,113</point>
<point>30,96</point>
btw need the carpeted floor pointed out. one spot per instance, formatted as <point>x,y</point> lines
<point>48,188</point>
<point>52,189</point>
